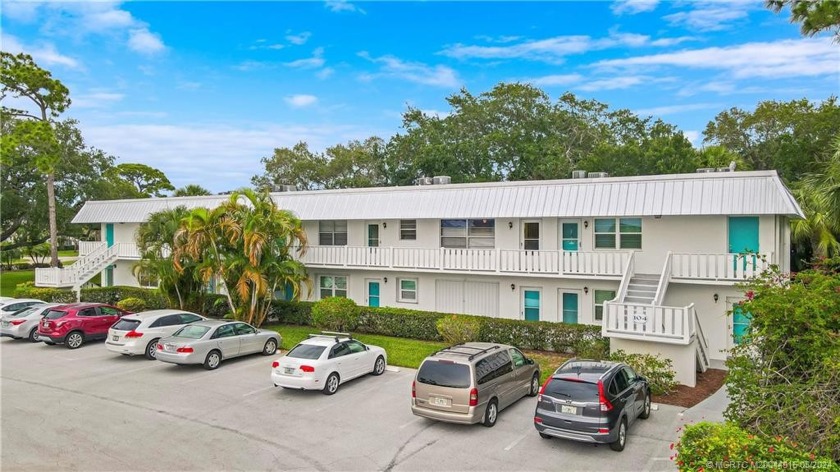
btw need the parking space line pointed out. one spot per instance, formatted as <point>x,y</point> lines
<point>411,423</point>
<point>513,444</point>
<point>258,391</point>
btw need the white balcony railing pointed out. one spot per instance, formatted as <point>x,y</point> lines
<point>718,267</point>
<point>666,324</point>
<point>87,247</point>
<point>470,260</point>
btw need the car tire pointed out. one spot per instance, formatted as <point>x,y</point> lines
<point>645,414</point>
<point>151,349</point>
<point>331,385</point>
<point>270,347</point>
<point>379,366</point>
<point>491,414</point>
<point>213,360</point>
<point>619,443</point>
<point>545,436</point>
<point>74,340</point>
<point>33,336</point>
<point>535,386</point>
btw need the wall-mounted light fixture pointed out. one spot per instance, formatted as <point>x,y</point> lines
<point>657,217</point>
<point>716,297</point>
<point>384,224</point>
<point>585,224</point>
<point>385,279</point>
<point>513,286</point>
<point>510,224</point>
<point>586,290</point>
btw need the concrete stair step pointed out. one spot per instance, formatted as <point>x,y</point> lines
<point>642,288</point>
<point>646,301</point>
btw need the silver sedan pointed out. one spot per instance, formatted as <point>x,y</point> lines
<point>24,323</point>
<point>209,342</point>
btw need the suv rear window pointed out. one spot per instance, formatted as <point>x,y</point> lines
<point>572,390</point>
<point>444,374</point>
<point>306,351</point>
<point>126,325</point>
<point>55,314</point>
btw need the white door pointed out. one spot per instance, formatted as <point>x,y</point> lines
<point>449,296</point>
<point>481,298</point>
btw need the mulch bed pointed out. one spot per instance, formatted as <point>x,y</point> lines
<point>708,383</point>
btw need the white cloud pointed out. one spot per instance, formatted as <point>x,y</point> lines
<point>97,100</point>
<point>632,7</point>
<point>711,15</point>
<point>301,100</point>
<point>498,39</point>
<point>676,109</point>
<point>325,73</point>
<point>614,83</point>
<point>553,80</point>
<point>390,66</point>
<point>337,6</point>
<point>25,12</point>
<point>694,136</point>
<point>434,113</point>
<point>45,54</point>
<point>314,62</point>
<point>144,41</point>
<point>298,39</point>
<point>783,58</point>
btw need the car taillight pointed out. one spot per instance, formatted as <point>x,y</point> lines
<point>474,397</point>
<point>275,365</point>
<point>18,322</point>
<point>604,430</point>
<point>537,420</point>
<point>160,347</point>
<point>413,389</point>
<point>602,399</point>
<point>307,368</point>
<point>184,349</point>
<point>542,389</point>
<point>133,334</point>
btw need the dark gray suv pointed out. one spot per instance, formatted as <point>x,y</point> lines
<point>592,401</point>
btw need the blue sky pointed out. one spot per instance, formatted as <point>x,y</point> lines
<point>203,90</point>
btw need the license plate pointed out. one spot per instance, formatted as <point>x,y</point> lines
<point>115,338</point>
<point>289,370</point>
<point>169,347</point>
<point>438,401</point>
<point>6,323</point>
<point>568,409</point>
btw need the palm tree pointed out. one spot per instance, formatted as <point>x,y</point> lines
<point>191,190</point>
<point>248,244</point>
<point>819,196</point>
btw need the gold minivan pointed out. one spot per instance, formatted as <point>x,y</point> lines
<point>472,382</point>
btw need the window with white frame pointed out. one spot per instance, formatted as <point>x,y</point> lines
<point>468,233</point>
<point>408,230</point>
<point>332,286</point>
<point>332,233</point>
<point>623,233</point>
<point>602,296</point>
<point>408,290</point>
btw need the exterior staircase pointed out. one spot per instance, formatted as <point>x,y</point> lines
<point>86,267</point>
<point>641,289</point>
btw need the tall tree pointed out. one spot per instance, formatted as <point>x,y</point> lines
<point>819,196</point>
<point>815,16</point>
<point>191,190</point>
<point>21,78</point>
<point>141,180</point>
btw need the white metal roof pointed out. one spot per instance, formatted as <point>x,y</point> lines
<point>723,193</point>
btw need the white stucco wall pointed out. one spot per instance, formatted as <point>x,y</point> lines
<point>682,357</point>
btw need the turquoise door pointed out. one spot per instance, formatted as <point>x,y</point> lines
<point>289,292</point>
<point>570,307</point>
<point>531,304</point>
<point>570,236</point>
<point>740,324</point>
<point>109,277</point>
<point>743,238</point>
<point>373,293</point>
<point>109,234</point>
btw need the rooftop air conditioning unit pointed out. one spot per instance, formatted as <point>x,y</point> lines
<point>706,170</point>
<point>442,180</point>
<point>424,181</point>
<point>578,174</point>
<point>597,175</point>
<point>286,188</point>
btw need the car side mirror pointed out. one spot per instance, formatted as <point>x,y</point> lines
<point>367,348</point>
<point>529,361</point>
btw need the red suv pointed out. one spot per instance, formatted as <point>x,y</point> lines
<point>76,323</point>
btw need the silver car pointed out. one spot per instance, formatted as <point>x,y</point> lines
<point>209,342</point>
<point>138,334</point>
<point>7,307</point>
<point>24,323</point>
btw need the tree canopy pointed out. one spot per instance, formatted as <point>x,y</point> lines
<point>815,16</point>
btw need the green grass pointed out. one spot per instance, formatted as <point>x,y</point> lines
<point>10,279</point>
<point>405,352</point>
<point>68,253</point>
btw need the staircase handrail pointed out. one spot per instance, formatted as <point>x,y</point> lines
<point>87,257</point>
<point>629,270</point>
<point>701,337</point>
<point>664,279</point>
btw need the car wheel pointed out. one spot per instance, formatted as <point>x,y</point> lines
<point>545,436</point>
<point>34,337</point>
<point>491,414</point>
<point>74,340</point>
<point>645,414</point>
<point>618,445</point>
<point>270,347</point>
<point>214,358</point>
<point>535,386</point>
<point>151,349</point>
<point>331,385</point>
<point>379,366</point>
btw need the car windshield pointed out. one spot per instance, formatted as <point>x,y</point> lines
<point>24,312</point>
<point>306,351</point>
<point>55,314</point>
<point>192,332</point>
<point>572,390</point>
<point>444,374</point>
<point>126,325</point>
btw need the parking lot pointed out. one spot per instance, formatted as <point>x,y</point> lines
<point>88,409</point>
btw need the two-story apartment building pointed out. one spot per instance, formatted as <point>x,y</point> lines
<point>654,260</point>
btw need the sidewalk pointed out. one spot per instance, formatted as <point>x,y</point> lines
<point>710,409</point>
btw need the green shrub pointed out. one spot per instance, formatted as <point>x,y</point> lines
<point>400,322</point>
<point>215,306</point>
<point>336,314</point>
<point>295,313</point>
<point>658,370</point>
<point>457,329</point>
<point>49,295</point>
<point>131,304</point>
<point>725,446</point>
